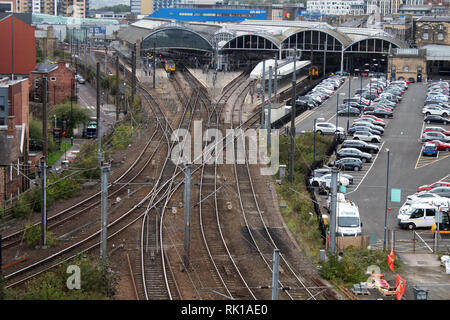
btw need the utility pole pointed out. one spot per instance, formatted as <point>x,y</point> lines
<point>294,97</point>
<point>44,117</point>
<point>99,136</point>
<point>154,64</point>
<point>133,76</point>
<point>104,200</point>
<point>269,110</point>
<point>44,202</point>
<point>263,89</point>
<point>386,200</point>
<point>187,213</point>
<point>275,269</point>
<point>117,88</point>
<point>275,81</point>
<point>334,185</point>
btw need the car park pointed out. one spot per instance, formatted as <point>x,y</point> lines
<point>354,153</point>
<point>436,119</point>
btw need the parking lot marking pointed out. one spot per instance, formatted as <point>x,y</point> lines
<point>373,162</point>
<point>423,161</point>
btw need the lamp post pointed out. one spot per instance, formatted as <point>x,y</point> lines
<point>387,197</point>
<point>337,123</point>
<point>348,100</point>
<point>314,144</point>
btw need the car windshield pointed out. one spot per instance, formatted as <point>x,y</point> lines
<point>348,222</point>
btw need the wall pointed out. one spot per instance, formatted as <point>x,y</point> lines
<point>24,47</point>
<point>433,31</point>
<point>412,63</point>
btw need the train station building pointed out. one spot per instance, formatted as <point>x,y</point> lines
<point>234,45</point>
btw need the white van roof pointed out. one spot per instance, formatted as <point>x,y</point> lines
<point>347,209</point>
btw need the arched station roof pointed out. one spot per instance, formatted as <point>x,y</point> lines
<point>315,39</point>
<point>253,41</point>
<point>175,38</point>
<point>377,44</point>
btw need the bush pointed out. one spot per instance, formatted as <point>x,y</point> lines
<point>21,208</point>
<point>352,266</point>
<point>122,137</point>
<point>33,236</point>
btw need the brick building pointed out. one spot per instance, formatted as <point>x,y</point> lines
<point>14,137</point>
<point>432,30</point>
<point>18,52</point>
<point>408,63</point>
<point>47,42</point>
<point>60,83</point>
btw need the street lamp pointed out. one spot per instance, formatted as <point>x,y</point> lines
<point>314,144</point>
<point>348,100</point>
<point>336,130</point>
<point>387,197</point>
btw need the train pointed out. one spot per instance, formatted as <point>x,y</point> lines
<point>169,66</point>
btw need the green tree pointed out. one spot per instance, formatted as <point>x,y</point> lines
<point>63,110</point>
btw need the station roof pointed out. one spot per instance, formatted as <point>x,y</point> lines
<point>274,30</point>
<point>437,52</point>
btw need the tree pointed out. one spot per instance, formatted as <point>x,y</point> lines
<point>78,114</point>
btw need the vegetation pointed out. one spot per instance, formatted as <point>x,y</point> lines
<point>97,283</point>
<point>299,213</point>
<point>120,8</point>
<point>78,114</point>
<point>351,267</point>
<point>33,236</point>
<point>122,137</point>
<point>54,156</point>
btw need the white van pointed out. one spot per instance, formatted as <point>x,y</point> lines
<point>419,215</point>
<point>348,221</point>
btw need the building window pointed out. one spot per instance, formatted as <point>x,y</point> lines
<point>406,69</point>
<point>2,103</point>
<point>441,27</point>
<point>36,83</point>
<point>425,36</point>
<point>440,36</point>
<point>52,78</point>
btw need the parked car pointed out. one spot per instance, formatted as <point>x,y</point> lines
<point>354,164</point>
<point>325,181</point>
<point>323,171</point>
<point>354,153</point>
<point>441,191</point>
<point>430,109</point>
<point>366,136</point>
<point>375,121</point>
<point>421,195</point>
<point>327,128</point>
<point>380,113</point>
<point>437,129</point>
<point>431,135</point>
<point>441,146</point>
<point>80,79</point>
<point>430,149</point>
<point>428,187</point>
<point>361,145</point>
<point>436,119</point>
<point>348,111</point>
<point>362,127</point>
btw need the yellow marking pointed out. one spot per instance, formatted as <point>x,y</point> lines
<point>426,162</point>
